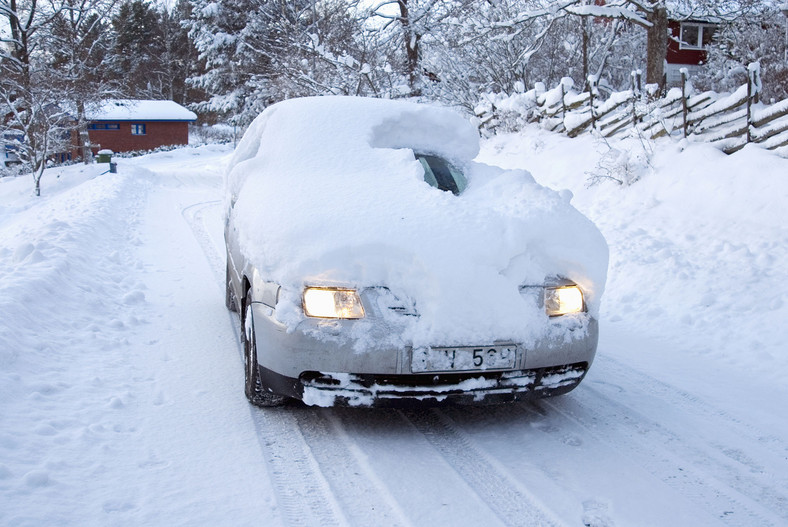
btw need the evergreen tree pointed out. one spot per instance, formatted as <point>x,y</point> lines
<point>227,39</point>
<point>138,50</point>
<point>179,61</point>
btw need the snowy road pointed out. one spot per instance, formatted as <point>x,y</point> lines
<point>131,410</point>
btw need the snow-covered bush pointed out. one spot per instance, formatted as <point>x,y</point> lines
<point>624,164</point>
<point>500,112</point>
<point>746,41</point>
<point>219,133</point>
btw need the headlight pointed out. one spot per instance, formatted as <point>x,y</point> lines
<point>324,302</point>
<point>563,300</point>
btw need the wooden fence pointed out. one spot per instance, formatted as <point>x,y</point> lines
<point>729,122</point>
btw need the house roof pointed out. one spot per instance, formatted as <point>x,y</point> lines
<point>138,110</point>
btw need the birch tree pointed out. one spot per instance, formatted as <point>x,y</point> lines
<point>79,45</point>
<point>326,51</point>
<point>31,118</point>
<point>257,52</point>
<point>408,24</point>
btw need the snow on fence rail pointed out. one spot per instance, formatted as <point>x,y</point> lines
<point>727,121</point>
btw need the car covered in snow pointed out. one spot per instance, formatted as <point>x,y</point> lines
<point>374,262</point>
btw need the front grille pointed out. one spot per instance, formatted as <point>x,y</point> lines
<point>538,381</point>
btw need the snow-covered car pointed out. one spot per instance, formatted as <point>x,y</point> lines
<point>373,262</point>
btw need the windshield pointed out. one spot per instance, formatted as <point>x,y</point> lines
<point>440,174</point>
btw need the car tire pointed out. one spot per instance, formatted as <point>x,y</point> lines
<point>229,296</point>
<point>253,386</point>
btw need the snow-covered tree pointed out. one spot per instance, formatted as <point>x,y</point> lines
<point>179,58</point>
<point>136,59</point>
<point>32,120</point>
<point>227,36</point>
<point>322,50</point>
<point>542,27</point>
<point>79,45</point>
<point>152,54</point>
<point>503,46</point>
<point>759,37</point>
<point>410,26</point>
<point>257,52</point>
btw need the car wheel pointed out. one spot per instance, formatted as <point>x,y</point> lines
<point>229,296</point>
<point>255,391</point>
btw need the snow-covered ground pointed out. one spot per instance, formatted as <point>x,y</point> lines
<point>121,399</point>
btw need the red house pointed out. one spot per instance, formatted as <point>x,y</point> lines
<point>687,47</point>
<point>125,125</point>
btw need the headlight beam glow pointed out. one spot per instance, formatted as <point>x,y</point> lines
<point>563,300</point>
<point>322,302</point>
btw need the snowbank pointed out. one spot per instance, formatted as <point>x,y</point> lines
<point>328,192</point>
<point>698,242</point>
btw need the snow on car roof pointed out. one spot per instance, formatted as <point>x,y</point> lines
<point>138,110</point>
<point>327,191</point>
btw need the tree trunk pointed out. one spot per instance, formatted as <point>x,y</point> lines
<point>657,46</point>
<point>83,138</point>
<point>37,177</point>
<point>411,39</point>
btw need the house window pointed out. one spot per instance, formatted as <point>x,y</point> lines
<point>138,129</point>
<point>11,142</point>
<point>104,126</point>
<point>696,36</point>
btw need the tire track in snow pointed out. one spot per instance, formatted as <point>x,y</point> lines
<point>512,503</point>
<point>724,491</point>
<point>363,498</point>
<point>729,465</point>
<point>194,216</point>
<point>690,402</point>
<point>309,434</point>
<point>302,492</point>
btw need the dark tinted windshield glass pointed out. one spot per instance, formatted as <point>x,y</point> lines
<point>440,174</point>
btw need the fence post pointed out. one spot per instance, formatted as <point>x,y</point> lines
<point>753,92</point>
<point>636,79</point>
<point>749,107</point>
<point>684,97</point>
<point>592,91</point>
<point>563,101</point>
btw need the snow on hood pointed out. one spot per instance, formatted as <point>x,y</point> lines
<point>327,191</point>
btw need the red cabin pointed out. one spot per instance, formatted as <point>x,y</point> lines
<point>126,125</point>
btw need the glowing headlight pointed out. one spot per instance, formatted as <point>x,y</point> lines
<point>332,303</point>
<point>563,300</point>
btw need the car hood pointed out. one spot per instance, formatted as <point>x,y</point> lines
<point>326,191</point>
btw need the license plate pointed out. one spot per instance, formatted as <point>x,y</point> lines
<point>463,359</point>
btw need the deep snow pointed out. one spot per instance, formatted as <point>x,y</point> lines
<point>698,245</point>
<point>121,398</point>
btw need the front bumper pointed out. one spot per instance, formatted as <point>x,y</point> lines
<point>331,389</point>
<point>326,373</point>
